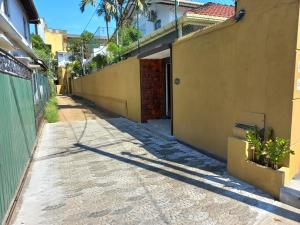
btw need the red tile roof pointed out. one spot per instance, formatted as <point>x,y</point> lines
<point>213,9</point>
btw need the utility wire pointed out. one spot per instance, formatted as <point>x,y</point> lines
<point>94,13</point>
<point>119,23</point>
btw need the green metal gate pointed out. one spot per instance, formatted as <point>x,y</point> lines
<point>18,111</point>
<point>41,93</point>
<point>17,134</point>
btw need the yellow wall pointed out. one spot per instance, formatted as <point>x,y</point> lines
<point>56,40</point>
<point>240,166</point>
<point>63,81</point>
<point>115,88</point>
<point>235,68</point>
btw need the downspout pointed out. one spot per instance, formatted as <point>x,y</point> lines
<point>239,15</point>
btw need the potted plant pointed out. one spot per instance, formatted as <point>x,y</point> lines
<point>260,158</point>
<point>267,150</point>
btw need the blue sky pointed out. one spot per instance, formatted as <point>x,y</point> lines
<point>65,15</point>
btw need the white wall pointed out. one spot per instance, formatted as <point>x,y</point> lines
<point>16,15</point>
<point>41,28</point>
<point>164,13</point>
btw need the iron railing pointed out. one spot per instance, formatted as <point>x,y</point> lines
<point>12,66</point>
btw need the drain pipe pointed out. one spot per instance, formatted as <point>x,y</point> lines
<point>240,15</point>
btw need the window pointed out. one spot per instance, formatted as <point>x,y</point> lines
<point>5,6</point>
<point>157,24</point>
<point>25,27</point>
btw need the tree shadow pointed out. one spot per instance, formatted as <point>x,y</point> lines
<point>167,150</point>
<point>191,181</point>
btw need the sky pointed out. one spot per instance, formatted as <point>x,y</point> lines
<point>65,15</point>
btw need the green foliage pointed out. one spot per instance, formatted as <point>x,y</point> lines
<point>38,44</point>
<point>51,111</point>
<point>113,51</point>
<point>75,67</point>
<point>278,151</point>
<point>76,47</point>
<point>256,143</point>
<point>43,52</point>
<point>52,88</point>
<point>128,34</point>
<point>267,150</point>
<point>100,61</point>
<point>90,67</point>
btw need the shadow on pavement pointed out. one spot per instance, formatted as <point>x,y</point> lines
<point>236,196</point>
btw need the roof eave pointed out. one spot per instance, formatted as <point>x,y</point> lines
<point>186,19</point>
<point>31,11</point>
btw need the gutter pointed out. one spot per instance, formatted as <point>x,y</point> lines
<point>181,3</point>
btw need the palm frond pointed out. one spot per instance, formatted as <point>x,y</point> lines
<point>141,5</point>
<point>84,3</point>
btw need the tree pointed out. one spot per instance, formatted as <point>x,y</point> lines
<point>127,35</point>
<point>100,61</point>
<point>105,7</point>
<point>112,8</point>
<point>43,52</point>
<point>77,47</point>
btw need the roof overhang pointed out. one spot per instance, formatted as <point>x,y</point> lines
<point>193,19</point>
<point>30,11</point>
<point>39,65</point>
<point>159,55</point>
<point>5,43</point>
<point>182,3</point>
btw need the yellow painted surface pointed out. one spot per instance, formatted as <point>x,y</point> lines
<point>294,161</point>
<point>115,88</point>
<point>56,39</point>
<point>238,165</point>
<point>234,68</point>
<point>58,89</point>
<point>62,76</point>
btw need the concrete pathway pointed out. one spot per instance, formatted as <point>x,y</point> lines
<point>100,169</point>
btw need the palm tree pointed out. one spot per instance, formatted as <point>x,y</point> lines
<point>105,7</point>
<point>112,8</point>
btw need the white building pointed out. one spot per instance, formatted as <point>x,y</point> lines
<point>158,26</point>
<point>161,13</point>
<point>15,17</point>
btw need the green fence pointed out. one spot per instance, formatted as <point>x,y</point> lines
<point>23,96</point>
<point>41,94</point>
<point>17,134</point>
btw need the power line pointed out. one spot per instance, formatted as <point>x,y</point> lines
<point>90,20</point>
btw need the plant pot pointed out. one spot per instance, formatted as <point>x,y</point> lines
<point>240,166</point>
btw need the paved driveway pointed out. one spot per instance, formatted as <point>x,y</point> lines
<point>98,169</point>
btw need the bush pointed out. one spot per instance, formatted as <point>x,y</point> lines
<point>268,151</point>
<point>52,88</point>
<point>51,111</point>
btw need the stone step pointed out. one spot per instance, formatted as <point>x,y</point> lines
<point>290,194</point>
<point>159,130</point>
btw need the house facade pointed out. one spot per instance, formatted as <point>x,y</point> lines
<point>158,26</point>
<point>59,42</point>
<point>155,49</point>
<point>161,13</point>
<point>15,19</point>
